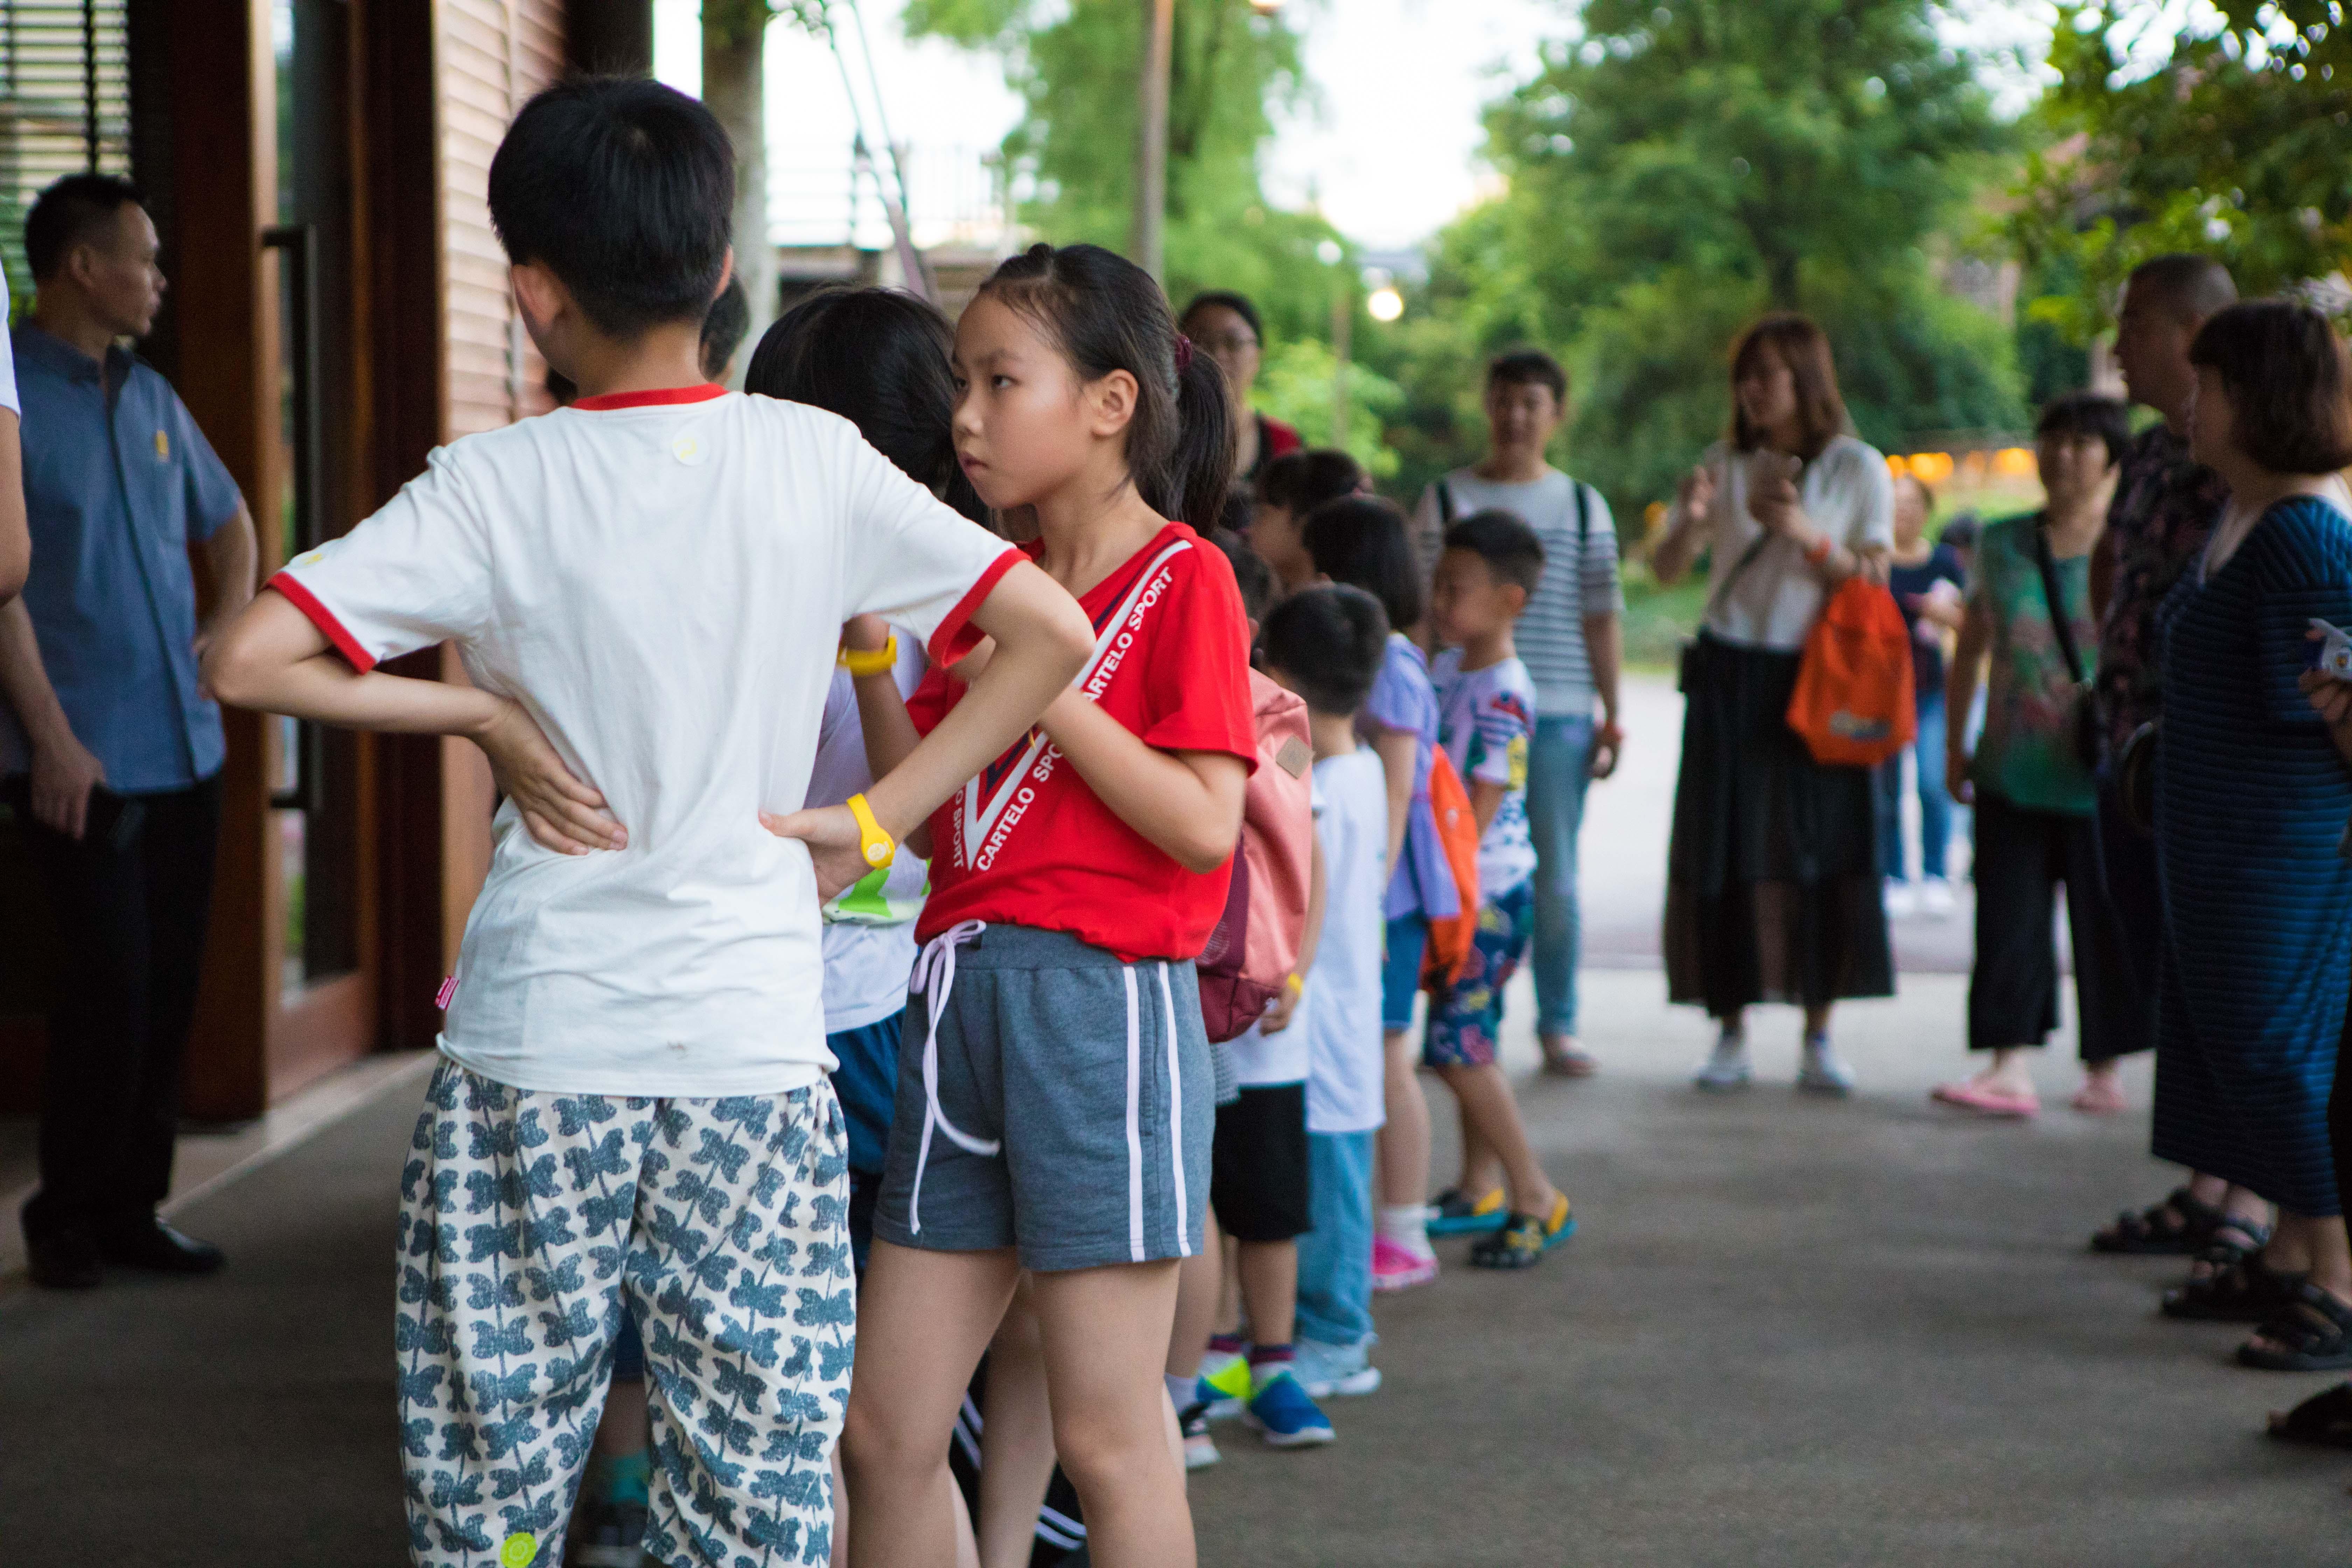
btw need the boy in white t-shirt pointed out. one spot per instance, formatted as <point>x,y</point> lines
<point>633,1111</point>
<point>1326,644</point>
<point>1486,707</point>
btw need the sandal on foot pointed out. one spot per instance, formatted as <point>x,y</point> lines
<point>2180,1227</point>
<point>1525,1238</point>
<point>1455,1213</point>
<point>2099,1099</point>
<point>2314,1334</point>
<point>1569,1059</point>
<point>2242,1288</point>
<point>2323,1421</point>
<point>1985,1100</point>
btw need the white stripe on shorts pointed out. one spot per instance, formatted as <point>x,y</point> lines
<point>1175,1110</point>
<point>1134,1120</point>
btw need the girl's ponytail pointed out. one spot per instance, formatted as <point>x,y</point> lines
<point>1105,313</point>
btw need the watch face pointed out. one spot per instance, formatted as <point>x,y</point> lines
<point>876,854</point>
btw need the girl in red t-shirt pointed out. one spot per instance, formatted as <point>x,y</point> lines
<point>1054,1108</point>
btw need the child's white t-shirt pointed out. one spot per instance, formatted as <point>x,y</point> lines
<point>1341,1009</point>
<point>869,927</point>
<point>1486,719</point>
<point>660,579</point>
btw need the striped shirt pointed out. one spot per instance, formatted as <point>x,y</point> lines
<point>1577,582</point>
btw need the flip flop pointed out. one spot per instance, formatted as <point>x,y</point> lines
<point>2324,1420</point>
<point>1988,1102</point>
<point>2099,1100</point>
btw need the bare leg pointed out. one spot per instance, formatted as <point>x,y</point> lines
<point>1405,1142</point>
<point>923,1319</point>
<point>1269,1273</point>
<point>1487,1105</point>
<point>1200,1285</point>
<point>621,1431</point>
<point>1817,1022</point>
<point>1481,1166</point>
<point>1016,1439</point>
<point>2009,1073</point>
<point>1229,1286</point>
<point>1105,1330</point>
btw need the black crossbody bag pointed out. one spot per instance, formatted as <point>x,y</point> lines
<point>2084,727</point>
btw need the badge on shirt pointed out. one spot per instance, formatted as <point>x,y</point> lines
<point>688,448</point>
<point>163,447</point>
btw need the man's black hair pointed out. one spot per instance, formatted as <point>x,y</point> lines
<point>1528,367</point>
<point>1238,304</point>
<point>2089,414</point>
<point>1360,540</point>
<point>724,328</point>
<point>1251,574</point>
<point>1328,641</point>
<point>2190,285</point>
<point>625,189</point>
<point>70,213</point>
<point>1505,542</point>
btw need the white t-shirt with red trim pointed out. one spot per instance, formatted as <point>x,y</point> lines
<point>1028,843</point>
<point>660,579</point>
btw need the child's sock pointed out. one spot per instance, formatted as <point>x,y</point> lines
<point>619,1478</point>
<point>1180,1390</point>
<point>1221,1345</point>
<point>1407,1226</point>
<point>1266,1364</point>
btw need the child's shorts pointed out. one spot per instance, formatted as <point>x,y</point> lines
<point>1061,1105</point>
<point>1466,1027</point>
<point>1408,935</point>
<point>1258,1173</point>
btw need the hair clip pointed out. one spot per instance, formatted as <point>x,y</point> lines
<point>1183,353</point>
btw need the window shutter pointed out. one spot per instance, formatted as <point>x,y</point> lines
<point>65,106</point>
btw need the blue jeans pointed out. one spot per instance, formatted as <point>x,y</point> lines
<point>1935,804</point>
<point>1334,1259</point>
<point>1560,768</point>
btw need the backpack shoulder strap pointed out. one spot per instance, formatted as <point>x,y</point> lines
<point>1444,504</point>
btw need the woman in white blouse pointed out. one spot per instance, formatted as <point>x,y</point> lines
<point>1772,874</point>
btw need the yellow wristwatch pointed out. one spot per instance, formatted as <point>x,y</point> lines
<point>879,847</point>
<point>877,661</point>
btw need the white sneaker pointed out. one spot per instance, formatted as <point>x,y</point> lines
<point>1935,899</point>
<point>1329,1372</point>
<point>1902,901</point>
<point>1726,1067</point>
<point>1824,1072</point>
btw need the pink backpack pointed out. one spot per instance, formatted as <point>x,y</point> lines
<point>1254,946</point>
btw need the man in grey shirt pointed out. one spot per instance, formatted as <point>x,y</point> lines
<point>1572,639</point>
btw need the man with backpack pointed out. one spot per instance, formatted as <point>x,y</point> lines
<point>1572,639</point>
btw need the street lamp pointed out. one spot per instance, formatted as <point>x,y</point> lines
<point>1146,237</point>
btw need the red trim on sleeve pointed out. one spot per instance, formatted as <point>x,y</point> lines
<point>985,584</point>
<point>605,401</point>
<point>323,618</point>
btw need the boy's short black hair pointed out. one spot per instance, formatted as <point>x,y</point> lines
<point>724,328</point>
<point>1328,642</point>
<point>625,189</point>
<point>1505,542</point>
<point>1251,574</point>
<point>1528,367</point>
<point>2084,414</point>
<point>68,213</point>
<point>1300,481</point>
<point>1361,541</point>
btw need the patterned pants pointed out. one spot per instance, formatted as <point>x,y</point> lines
<point>1466,1026</point>
<point>526,1219</point>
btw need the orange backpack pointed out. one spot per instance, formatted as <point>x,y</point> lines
<point>1448,950</point>
<point>1853,705</point>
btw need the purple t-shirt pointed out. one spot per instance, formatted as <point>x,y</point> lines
<point>1402,700</point>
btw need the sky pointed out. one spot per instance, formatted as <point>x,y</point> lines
<point>1389,148</point>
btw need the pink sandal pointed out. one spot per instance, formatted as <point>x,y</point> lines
<point>1986,1101</point>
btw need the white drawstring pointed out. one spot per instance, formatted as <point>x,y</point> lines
<point>936,962</point>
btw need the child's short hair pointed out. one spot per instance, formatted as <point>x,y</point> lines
<point>1251,574</point>
<point>724,327</point>
<point>1298,482</point>
<point>1361,541</point>
<point>1528,367</point>
<point>1328,642</point>
<point>625,189</point>
<point>1505,542</point>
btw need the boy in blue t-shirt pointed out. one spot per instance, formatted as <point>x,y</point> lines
<point>1490,566</point>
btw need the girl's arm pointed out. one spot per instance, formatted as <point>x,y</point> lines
<point>1188,803</point>
<point>882,718</point>
<point>272,658</point>
<point>1310,938</point>
<point>1960,697</point>
<point>1398,750</point>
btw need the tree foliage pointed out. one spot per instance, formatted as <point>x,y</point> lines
<point>2232,136</point>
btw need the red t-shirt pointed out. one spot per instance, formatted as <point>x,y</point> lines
<point>1027,843</point>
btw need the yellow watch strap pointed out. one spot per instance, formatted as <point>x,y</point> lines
<point>871,661</point>
<point>879,847</point>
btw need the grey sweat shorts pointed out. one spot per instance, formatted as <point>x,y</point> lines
<point>1061,1105</point>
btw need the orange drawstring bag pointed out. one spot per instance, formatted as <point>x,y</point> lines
<point>1450,936</point>
<point>1853,704</point>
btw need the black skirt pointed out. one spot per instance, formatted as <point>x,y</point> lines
<point>1772,877</point>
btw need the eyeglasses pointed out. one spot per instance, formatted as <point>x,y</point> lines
<point>1232,342</point>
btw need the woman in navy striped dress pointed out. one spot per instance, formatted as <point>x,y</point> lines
<point>2252,796</point>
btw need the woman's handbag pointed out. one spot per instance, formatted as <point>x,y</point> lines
<point>2084,727</point>
<point>2136,778</point>
<point>1854,705</point>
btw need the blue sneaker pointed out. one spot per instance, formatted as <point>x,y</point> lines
<point>1225,1386</point>
<point>1281,1412</point>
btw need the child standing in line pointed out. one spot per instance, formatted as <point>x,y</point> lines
<point>1328,643</point>
<point>1490,564</point>
<point>1054,1095</point>
<point>1362,542</point>
<point>1292,486</point>
<point>633,1114</point>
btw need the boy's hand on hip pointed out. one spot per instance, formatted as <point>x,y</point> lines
<point>563,813</point>
<point>837,845</point>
